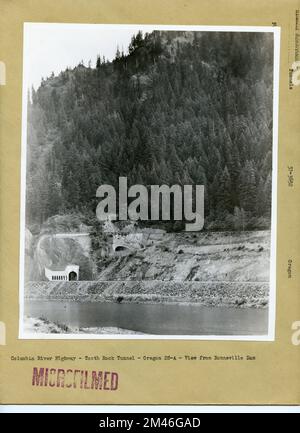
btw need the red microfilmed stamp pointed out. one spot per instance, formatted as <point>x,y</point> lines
<point>73,378</point>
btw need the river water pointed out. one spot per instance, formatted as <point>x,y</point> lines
<point>161,319</point>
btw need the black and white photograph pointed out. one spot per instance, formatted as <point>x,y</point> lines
<point>149,181</point>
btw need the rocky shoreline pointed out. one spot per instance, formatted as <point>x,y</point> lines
<point>41,325</point>
<point>214,294</point>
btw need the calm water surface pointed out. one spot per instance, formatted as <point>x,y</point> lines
<point>154,318</point>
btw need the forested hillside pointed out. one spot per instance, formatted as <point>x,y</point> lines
<point>179,108</point>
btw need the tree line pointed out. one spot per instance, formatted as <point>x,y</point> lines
<point>178,108</point>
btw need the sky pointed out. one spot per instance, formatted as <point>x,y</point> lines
<point>54,47</point>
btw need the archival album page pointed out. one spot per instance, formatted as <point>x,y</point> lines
<point>150,203</point>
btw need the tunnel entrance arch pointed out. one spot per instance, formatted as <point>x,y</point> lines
<point>72,276</point>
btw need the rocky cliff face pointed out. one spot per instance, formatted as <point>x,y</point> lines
<point>59,250</point>
<point>227,256</point>
<point>215,269</point>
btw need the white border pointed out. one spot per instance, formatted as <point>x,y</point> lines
<point>145,409</point>
<point>272,296</point>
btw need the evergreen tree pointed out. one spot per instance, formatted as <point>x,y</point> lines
<point>178,108</point>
